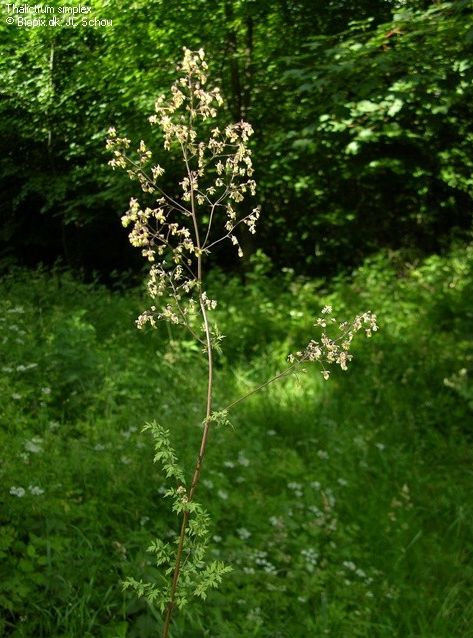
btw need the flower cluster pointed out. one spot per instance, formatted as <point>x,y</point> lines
<point>174,233</point>
<point>329,350</point>
<point>19,492</point>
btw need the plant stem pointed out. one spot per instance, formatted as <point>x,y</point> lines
<point>195,478</point>
<point>280,375</point>
<point>175,578</point>
<point>203,444</point>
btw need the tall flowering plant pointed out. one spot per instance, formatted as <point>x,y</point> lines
<point>175,235</point>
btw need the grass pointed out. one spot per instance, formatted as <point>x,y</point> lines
<point>344,507</point>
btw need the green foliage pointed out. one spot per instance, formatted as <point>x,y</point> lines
<point>164,452</point>
<point>196,576</point>
<point>381,138</point>
<point>308,503</point>
<point>361,112</point>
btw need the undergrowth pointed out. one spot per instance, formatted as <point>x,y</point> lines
<point>341,517</point>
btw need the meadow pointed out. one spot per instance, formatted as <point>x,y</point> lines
<point>343,506</point>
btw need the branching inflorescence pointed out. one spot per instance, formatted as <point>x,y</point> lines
<point>175,234</point>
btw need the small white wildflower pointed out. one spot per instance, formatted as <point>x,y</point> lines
<point>310,554</point>
<point>208,483</point>
<point>16,397</point>
<point>34,446</point>
<point>217,538</point>
<point>276,521</point>
<point>271,432</point>
<point>242,460</point>
<point>229,464</point>
<point>313,509</point>
<point>17,491</point>
<point>222,494</point>
<point>254,615</point>
<point>46,390</point>
<point>311,557</point>
<point>243,533</point>
<point>322,454</point>
<point>35,490</point>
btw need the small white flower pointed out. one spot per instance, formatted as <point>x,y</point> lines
<point>276,521</point>
<point>222,494</point>
<point>35,490</point>
<point>34,446</point>
<point>17,491</point>
<point>242,460</point>
<point>311,557</point>
<point>243,533</point>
